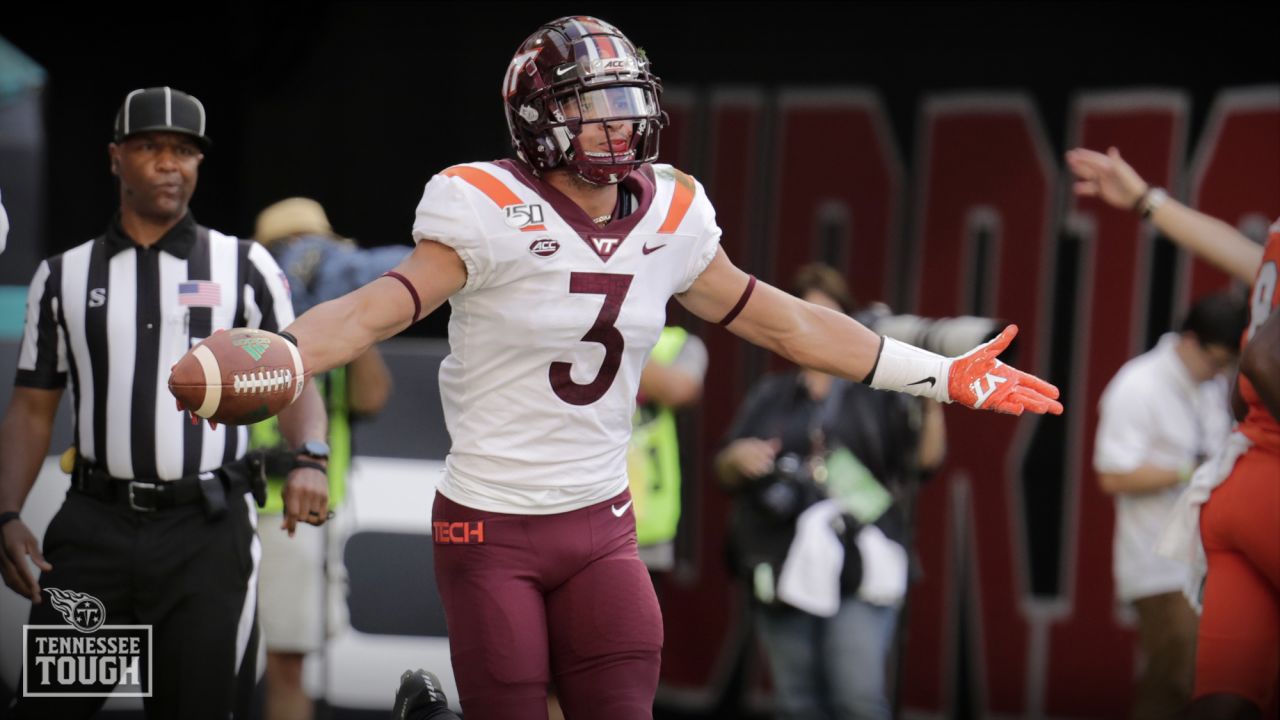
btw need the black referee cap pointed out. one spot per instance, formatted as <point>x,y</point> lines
<point>161,109</point>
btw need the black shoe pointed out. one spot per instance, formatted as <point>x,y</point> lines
<point>419,697</point>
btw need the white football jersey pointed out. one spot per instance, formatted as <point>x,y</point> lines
<point>556,320</point>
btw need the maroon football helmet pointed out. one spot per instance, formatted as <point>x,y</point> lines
<point>579,70</point>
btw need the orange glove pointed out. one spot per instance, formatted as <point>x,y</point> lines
<point>978,380</point>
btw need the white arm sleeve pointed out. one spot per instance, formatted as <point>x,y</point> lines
<point>909,369</point>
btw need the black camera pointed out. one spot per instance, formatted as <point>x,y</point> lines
<point>789,489</point>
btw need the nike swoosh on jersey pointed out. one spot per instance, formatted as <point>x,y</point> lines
<point>618,511</point>
<point>931,380</point>
<point>646,249</point>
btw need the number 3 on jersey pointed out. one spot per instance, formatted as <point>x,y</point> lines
<point>614,287</point>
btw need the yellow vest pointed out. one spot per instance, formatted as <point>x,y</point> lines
<point>653,457</point>
<point>266,434</point>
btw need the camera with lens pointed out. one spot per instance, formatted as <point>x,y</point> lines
<point>789,489</point>
<point>947,336</point>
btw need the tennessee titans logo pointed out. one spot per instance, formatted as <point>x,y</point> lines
<point>254,345</point>
<point>82,611</point>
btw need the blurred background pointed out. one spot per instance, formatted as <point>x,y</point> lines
<point>917,146</point>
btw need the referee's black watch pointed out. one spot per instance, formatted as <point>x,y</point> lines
<point>317,449</point>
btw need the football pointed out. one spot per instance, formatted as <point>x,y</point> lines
<point>238,377</point>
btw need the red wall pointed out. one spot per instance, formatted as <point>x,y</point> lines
<point>798,176</point>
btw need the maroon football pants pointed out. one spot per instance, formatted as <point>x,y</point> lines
<point>531,598</point>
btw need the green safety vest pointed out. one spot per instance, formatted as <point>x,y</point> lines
<point>653,458</point>
<point>266,434</point>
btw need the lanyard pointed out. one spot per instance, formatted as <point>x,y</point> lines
<point>818,424</point>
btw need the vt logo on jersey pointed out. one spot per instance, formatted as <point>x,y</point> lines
<point>85,657</point>
<point>604,247</point>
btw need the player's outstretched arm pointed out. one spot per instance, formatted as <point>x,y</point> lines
<point>334,333</point>
<point>1109,177</point>
<point>834,343</point>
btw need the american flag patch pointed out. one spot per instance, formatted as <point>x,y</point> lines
<point>199,293</point>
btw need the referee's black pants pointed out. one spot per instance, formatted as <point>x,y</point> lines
<point>193,580</point>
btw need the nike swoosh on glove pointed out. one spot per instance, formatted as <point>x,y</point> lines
<point>978,380</point>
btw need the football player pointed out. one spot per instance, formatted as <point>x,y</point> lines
<point>558,264</point>
<point>1237,495</point>
<point>1238,647</point>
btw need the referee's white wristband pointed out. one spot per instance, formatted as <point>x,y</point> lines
<point>909,369</point>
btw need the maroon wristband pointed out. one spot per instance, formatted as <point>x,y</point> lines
<point>742,302</point>
<point>417,304</point>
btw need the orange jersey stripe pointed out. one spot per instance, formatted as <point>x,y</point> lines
<point>492,187</point>
<point>685,190</point>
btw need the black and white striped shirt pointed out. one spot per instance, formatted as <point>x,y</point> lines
<point>115,317</point>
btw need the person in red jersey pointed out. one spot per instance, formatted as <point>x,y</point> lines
<point>1238,651</point>
<point>1237,494</point>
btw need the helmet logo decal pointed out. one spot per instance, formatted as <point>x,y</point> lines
<point>513,70</point>
<point>613,66</point>
<point>529,113</point>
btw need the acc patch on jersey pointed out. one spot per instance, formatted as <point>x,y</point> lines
<point>544,247</point>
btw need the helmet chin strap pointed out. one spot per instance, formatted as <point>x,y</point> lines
<point>600,174</point>
<point>615,178</point>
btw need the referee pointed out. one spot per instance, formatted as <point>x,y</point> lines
<point>157,524</point>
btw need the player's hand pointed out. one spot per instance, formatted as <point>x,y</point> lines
<point>978,380</point>
<point>1107,177</point>
<point>20,542</point>
<point>306,498</point>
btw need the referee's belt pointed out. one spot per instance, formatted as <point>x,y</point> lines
<point>151,495</point>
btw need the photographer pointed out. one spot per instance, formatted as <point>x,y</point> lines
<point>811,450</point>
